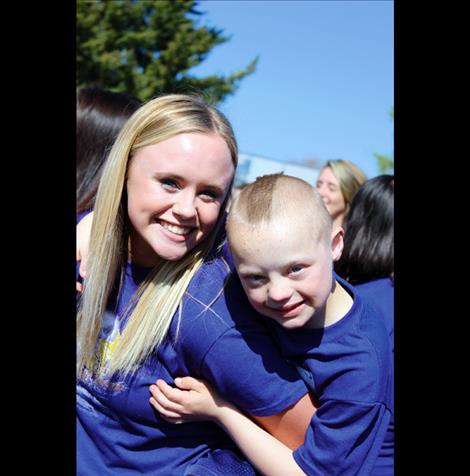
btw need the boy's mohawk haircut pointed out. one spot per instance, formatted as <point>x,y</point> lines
<point>256,199</point>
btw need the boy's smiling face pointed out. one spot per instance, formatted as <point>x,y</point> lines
<point>285,271</point>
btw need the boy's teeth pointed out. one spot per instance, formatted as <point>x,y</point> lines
<point>176,229</point>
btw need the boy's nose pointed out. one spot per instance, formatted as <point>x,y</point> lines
<point>279,292</point>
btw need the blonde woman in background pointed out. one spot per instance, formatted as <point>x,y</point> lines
<point>337,183</point>
<point>156,304</point>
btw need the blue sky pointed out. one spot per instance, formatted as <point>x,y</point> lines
<point>323,88</point>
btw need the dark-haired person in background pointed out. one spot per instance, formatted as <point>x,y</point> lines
<point>367,261</point>
<point>100,116</point>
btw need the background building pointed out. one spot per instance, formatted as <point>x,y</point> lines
<point>252,166</point>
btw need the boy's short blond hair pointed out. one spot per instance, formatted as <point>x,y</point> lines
<point>279,197</point>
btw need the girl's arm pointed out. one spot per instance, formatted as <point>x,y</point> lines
<point>199,401</point>
<point>83,240</point>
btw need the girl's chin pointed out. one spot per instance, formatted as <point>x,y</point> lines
<point>174,252</point>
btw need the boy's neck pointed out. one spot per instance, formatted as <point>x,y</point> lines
<point>337,305</point>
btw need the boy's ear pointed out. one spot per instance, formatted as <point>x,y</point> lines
<point>337,243</point>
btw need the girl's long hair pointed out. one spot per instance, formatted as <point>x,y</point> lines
<point>161,292</point>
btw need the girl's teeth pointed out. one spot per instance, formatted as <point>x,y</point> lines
<point>176,229</point>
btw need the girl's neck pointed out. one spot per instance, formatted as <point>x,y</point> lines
<point>142,254</point>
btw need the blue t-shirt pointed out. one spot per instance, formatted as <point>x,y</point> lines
<point>226,343</point>
<point>380,293</point>
<point>350,363</point>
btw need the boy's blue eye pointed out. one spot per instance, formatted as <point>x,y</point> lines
<point>254,279</point>
<point>296,269</point>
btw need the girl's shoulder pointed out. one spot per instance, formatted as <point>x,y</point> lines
<point>209,280</point>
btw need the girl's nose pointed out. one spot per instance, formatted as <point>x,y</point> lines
<point>184,205</point>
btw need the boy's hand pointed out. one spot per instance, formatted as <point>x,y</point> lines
<point>193,400</point>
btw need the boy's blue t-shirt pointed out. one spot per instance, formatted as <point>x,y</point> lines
<point>226,343</point>
<point>352,373</point>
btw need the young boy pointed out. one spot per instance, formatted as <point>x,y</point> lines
<point>283,246</point>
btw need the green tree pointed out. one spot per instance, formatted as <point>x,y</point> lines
<point>148,47</point>
<point>385,163</point>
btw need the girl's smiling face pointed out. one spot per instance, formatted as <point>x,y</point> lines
<point>175,190</point>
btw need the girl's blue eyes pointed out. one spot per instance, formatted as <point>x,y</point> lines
<point>169,183</point>
<point>172,185</point>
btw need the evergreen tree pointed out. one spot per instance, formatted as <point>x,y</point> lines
<point>146,48</point>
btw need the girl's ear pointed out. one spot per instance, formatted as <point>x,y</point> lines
<point>337,243</point>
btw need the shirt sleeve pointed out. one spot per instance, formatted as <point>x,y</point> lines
<point>344,438</point>
<point>248,369</point>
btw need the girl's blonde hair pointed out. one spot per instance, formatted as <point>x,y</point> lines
<point>350,177</point>
<point>160,294</point>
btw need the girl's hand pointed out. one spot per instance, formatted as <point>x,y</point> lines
<point>193,400</point>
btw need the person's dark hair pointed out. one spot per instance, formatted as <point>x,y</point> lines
<point>100,116</point>
<point>369,233</point>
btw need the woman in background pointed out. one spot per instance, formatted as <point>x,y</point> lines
<point>337,183</point>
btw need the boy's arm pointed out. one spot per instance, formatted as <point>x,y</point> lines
<point>290,426</point>
<point>199,401</point>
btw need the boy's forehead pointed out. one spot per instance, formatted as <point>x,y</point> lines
<point>276,234</point>
<point>277,226</point>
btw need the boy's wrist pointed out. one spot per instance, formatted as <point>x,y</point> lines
<point>225,414</point>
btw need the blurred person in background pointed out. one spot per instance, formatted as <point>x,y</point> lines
<point>100,116</point>
<point>367,261</point>
<point>337,183</point>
